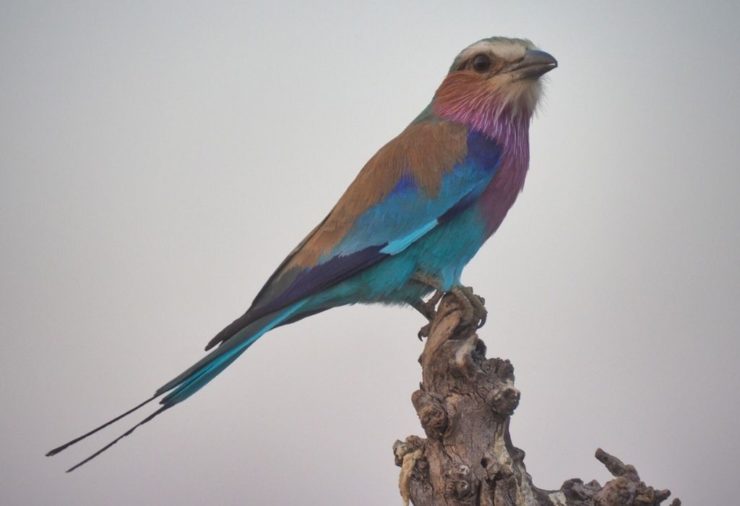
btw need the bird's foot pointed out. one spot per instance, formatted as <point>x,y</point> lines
<point>429,310</point>
<point>474,312</point>
<point>473,306</point>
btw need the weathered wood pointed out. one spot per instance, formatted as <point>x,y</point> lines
<point>464,403</point>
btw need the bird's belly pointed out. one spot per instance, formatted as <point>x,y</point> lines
<point>442,253</point>
<point>445,251</point>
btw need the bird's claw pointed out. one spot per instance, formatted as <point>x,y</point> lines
<point>473,306</point>
<point>429,310</point>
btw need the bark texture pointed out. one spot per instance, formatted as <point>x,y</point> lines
<point>464,403</point>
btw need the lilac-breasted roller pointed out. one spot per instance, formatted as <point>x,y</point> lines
<point>412,219</point>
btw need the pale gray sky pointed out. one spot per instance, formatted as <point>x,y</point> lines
<point>157,160</point>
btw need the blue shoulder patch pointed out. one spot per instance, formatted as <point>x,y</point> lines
<point>483,151</point>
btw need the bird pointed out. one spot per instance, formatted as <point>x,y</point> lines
<point>414,216</point>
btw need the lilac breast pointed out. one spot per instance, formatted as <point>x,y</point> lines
<point>503,190</point>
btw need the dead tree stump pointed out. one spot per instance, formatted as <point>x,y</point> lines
<point>464,403</point>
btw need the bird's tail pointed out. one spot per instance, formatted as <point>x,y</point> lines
<point>194,378</point>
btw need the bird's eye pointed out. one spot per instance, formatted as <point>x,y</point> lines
<point>481,63</point>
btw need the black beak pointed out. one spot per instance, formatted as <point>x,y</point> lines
<point>534,64</point>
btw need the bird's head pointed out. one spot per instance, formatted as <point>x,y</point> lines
<point>492,80</point>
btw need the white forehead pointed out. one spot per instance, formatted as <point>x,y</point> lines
<point>507,49</point>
